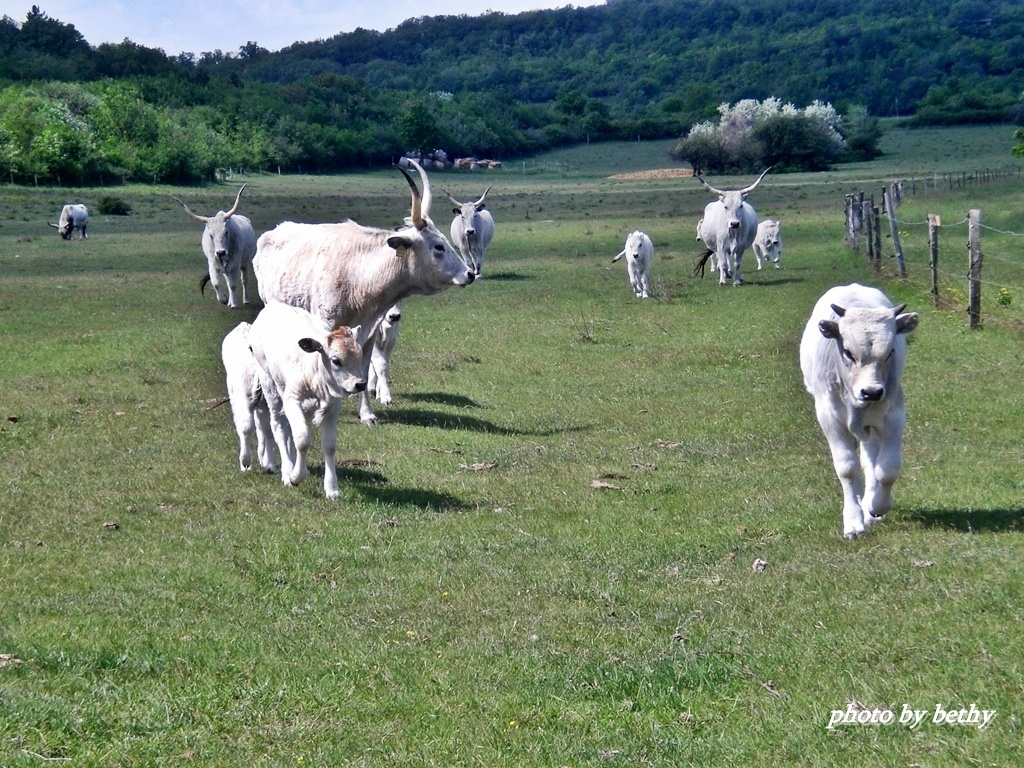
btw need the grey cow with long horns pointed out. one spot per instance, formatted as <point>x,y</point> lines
<point>728,229</point>
<point>472,230</point>
<point>229,243</point>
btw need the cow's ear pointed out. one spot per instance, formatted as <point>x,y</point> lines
<point>310,345</point>
<point>399,243</point>
<point>481,206</point>
<point>457,211</point>
<point>829,329</point>
<point>356,330</point>
<point>906,322</point>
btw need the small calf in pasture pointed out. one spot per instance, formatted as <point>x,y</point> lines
<point>639,253</point>
<point>72,216</point>
<point>348,274</point>
<point>306,370</point>
<point>229,243</point>
<point>249,408</point>
<point>472,231</point>
<point>768,242</point>
<point>384,339</point>
<point>852,355</point>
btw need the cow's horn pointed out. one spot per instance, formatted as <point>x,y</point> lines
<point>417,211</point>
<point>234,208</point>
<point>700,178</point>
<point>427,199</point>
<point>753,186</point>
<point>480,202</point>
<point>839,310</point>
<point>203,219</point>
<point>454,201</point>
<point>897,311</point>
<point>53,225</point>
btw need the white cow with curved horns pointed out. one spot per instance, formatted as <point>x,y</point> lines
<point>348,274</point>
<point>229,243</point>
<point>72,216</point>
<point>852,355</point>
<point>728,229</point>
<point>472,230</point>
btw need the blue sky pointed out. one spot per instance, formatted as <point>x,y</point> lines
<point>197,26</point>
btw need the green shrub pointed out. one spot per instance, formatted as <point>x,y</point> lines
<point>113,206</point>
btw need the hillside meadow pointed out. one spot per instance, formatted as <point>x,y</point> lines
<point>590,531</point>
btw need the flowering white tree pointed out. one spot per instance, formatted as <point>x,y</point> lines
<point>750,132</point>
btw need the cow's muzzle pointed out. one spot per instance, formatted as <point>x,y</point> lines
<point>872,394</point>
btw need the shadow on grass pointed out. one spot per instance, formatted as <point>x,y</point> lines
<point>768,281</point>
<point>375,487</point>
<point>970,520</point>
<point>509,277</point>
<point>442,398</point>
<point>418,417</point>
<point>428,501</point>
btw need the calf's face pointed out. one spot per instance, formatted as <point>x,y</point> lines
<point>867,339</point>
<point>342,359</point>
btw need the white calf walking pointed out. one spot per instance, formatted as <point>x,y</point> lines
<point>378,382</point>
<point>248,406</point>
<point>852,355</point>
<point>306,369</point>
<point>639,253</point>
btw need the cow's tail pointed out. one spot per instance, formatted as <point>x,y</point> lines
<point>700,261</point>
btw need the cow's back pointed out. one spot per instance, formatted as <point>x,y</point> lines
<point>315,267</point>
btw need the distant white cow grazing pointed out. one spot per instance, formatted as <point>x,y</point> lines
<point>728,229</point>
<point>639,253</point>
<point>248,405</point>
<point>852,356</point>
<point>347,274</point>
<point>306,369</point>
<point>768,242</point>
<point>229,243</point>
<point>72,216</point>
<point>472,231</point>
<point>384,339</point>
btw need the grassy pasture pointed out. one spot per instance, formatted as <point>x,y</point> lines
<point>472,599</point>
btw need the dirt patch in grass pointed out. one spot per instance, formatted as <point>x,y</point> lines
<point>658,173</point>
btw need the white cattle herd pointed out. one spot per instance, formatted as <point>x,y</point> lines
<point>333,294</point>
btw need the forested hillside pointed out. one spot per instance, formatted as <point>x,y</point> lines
<point>493,85</point>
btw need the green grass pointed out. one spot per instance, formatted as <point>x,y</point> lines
<point>167,609</point>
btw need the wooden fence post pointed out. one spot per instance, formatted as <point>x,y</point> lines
<point>869,229</point>
<point>877,221</point>
<point>890,204</point>
<point>934,222</point>
<point>974,273</point>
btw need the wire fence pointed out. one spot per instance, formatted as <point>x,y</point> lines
<point>965,264</point>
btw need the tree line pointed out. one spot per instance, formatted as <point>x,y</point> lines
<point>494,85</point>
